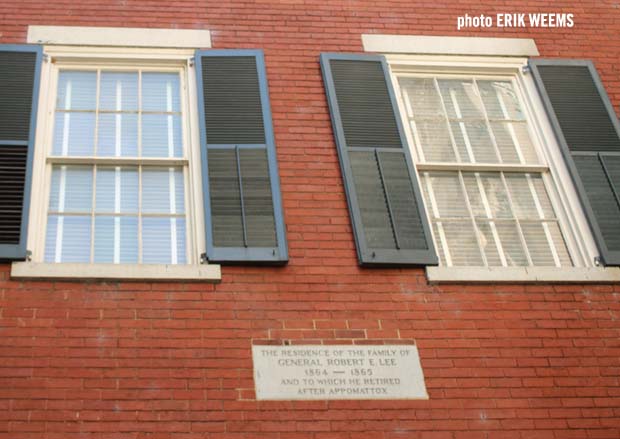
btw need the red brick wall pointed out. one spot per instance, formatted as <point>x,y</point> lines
<point>129,360</point>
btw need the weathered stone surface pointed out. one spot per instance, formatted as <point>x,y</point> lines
<point>338,372</point>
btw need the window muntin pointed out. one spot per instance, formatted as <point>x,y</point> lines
<point>484,184</point>
<point>118,168</point>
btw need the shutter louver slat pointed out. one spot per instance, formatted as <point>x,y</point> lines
<point>231,89</point>
<point>366,110</point>
<point>579,108</point>
<point>589,134</point>
<point>11,192</point>
<point>601,198</point>
<point>372,201</point>
<point>17,72</point>
<point>260,222</point>
<point>243,210</point>
<point>612,167</point>
<point>388,218</point>
<point>19,82</point>
<point>225,199</point>
<point>402,199</point>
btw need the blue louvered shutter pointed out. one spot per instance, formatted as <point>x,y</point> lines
<point>19,84</point>
<point>386,207</point>
<point>243,208</point>
<point>588,132</point>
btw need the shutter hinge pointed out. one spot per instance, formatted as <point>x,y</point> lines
<point>525,69</point>
<point>203,258</point>
<point>597,261</point>
<point>29,255</point>
<point>47,58</point>
<point>191,61</point>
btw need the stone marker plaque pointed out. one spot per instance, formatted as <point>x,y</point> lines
<point>338,372</point>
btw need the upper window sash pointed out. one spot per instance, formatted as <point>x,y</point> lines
<point>533,161</point>
<point>182,113</point>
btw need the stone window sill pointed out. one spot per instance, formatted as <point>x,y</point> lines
<point>116,272</point>
<point>522,275</point>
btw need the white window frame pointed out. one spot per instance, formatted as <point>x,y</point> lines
<point>109,58</point>
<point>572,221</point>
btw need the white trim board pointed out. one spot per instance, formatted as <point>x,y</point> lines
<point>119,36</point>
<point>434,45</point>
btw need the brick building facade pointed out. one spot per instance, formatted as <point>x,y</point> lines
<point>124,359</point>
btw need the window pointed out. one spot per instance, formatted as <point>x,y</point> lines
<point>118,166</point>
<point>487,189</point>
<point>127,182</point>
<point>497,169</point>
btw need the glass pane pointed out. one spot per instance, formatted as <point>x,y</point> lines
<point>529,196</point>
<point>560,245</point>
<point>523,201</point>
<point>163,240</point>
<point>116,239</point>
<point>163,190</point>
<point>119,91</point>
<point>161,135</point>
<point>74,134</point>
<point>117,135</point>
<point>447,197</point>
<point>438,243</point>
<point>434,138</point>
<point>487,195</point>
<point>537,239</point>
<point>462,243</point>
<point>117,190</point>
<point>514,142</point>
<point>71,189</point>
<point>422,98</point>
<point>545,244</point>
<point>543,196</point>
<point>500,100</point>
<point>67,239</point>
<point>475,193</point>
<point>511,243</point>
<point>160,92</point>
<point>461,99</point>
<point>487,234</point>
<point>472,138</point>
<point>76,90</point>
